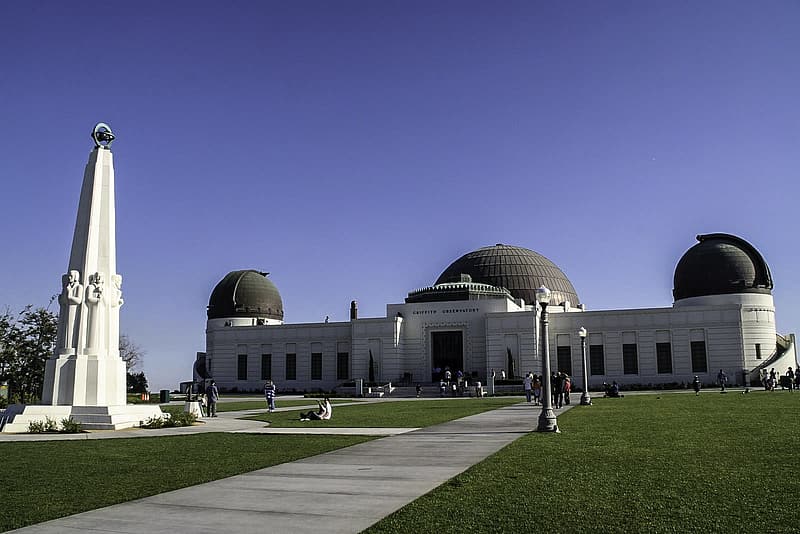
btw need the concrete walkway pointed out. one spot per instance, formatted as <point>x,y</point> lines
<point>226,422</point>
<point>341,491</point>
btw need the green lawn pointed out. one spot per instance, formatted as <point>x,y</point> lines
<point>49,479</point>
<point>402,414</point>
<point>666,463</point>
<point>235,406</point>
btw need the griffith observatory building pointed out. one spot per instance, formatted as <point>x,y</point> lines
<point>481,316</point>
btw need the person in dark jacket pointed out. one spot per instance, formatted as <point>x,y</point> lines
<point>696,385</point>
<point>212,396</point>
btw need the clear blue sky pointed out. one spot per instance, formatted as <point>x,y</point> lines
<point>355,149</point>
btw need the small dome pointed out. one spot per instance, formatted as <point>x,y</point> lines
<point>721,264</point>
<point>245,293</point>
<point>519,270</point>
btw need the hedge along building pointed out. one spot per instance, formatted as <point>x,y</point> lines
<point>478,317</point>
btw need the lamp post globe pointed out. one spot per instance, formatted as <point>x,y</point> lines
<point>586,399</point>
<point>547,418</point>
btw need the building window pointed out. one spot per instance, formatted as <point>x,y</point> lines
<point>597,361</point>
<point>758,351</point>
<point>564,357</point>
<point>316,366</point>
<point>630,360</point>
<point>242,368</point>
<point>266,367</point>
<point>664,358</point>
<point>342,366</point>
<point>291,366</point>
<point>699,364</point>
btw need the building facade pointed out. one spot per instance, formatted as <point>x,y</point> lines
<point>479,317</point>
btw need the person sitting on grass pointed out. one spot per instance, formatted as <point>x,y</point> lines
<point>328,410</point>
<point>311,415</point>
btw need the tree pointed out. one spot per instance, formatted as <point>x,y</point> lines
<point>28,339</point>
<point>26,342</point>
<point>371,368</point>
<point>137,382</point>
<point>131,353</point>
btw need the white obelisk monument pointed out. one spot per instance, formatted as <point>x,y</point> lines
<point>85,378</point>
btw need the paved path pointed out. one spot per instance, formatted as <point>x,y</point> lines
<point>343,491</point>
<point>226,422</point>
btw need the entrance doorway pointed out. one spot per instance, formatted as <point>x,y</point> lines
<point>447,350</point>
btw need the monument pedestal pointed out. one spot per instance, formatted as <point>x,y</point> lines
<point>193,407</point>
<point>84,380</point>
<point>19,416</point>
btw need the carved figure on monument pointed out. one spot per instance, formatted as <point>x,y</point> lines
<point>94,297</point>
<point>116,295</point>
<point>114,299</point>
<point>70,299</point>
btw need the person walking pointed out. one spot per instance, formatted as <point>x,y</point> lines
<point>558,390</point>
<point>696,385</point>
<point>537,390</point>
<point>528,385</point>
<point>722,378</point>
<point>269,394</point>
<point>212,396</point>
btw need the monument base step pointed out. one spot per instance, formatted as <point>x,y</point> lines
<point>17,417</point>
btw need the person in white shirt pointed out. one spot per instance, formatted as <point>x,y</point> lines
<point>328,410</point>
<point>528,385</point>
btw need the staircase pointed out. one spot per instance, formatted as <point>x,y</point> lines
<point>430,390</point>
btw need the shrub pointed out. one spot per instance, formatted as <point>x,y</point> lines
<point>169,420</point>
<point>154,422</point>
<point>183,419</point>
<point>70,426</point>
<point>36,427</point>
<point>40,427</point>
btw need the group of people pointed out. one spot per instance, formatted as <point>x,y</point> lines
<point>210,397</point>
<point>560,388</point>
<point>454,385</point>
<point>323,413</point>
<point>790,380</point>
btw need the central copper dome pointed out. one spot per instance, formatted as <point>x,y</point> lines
<point>517,269</point>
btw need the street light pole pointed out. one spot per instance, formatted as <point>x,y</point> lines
<point>547,419</point>
<point>586,400</point>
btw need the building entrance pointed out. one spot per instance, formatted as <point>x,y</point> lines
<point>447,350</point>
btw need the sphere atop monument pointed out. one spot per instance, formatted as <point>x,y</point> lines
<point>102,135</point>
<point>245,293</point>
<point>520,270</point>
<point>721,264</point>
